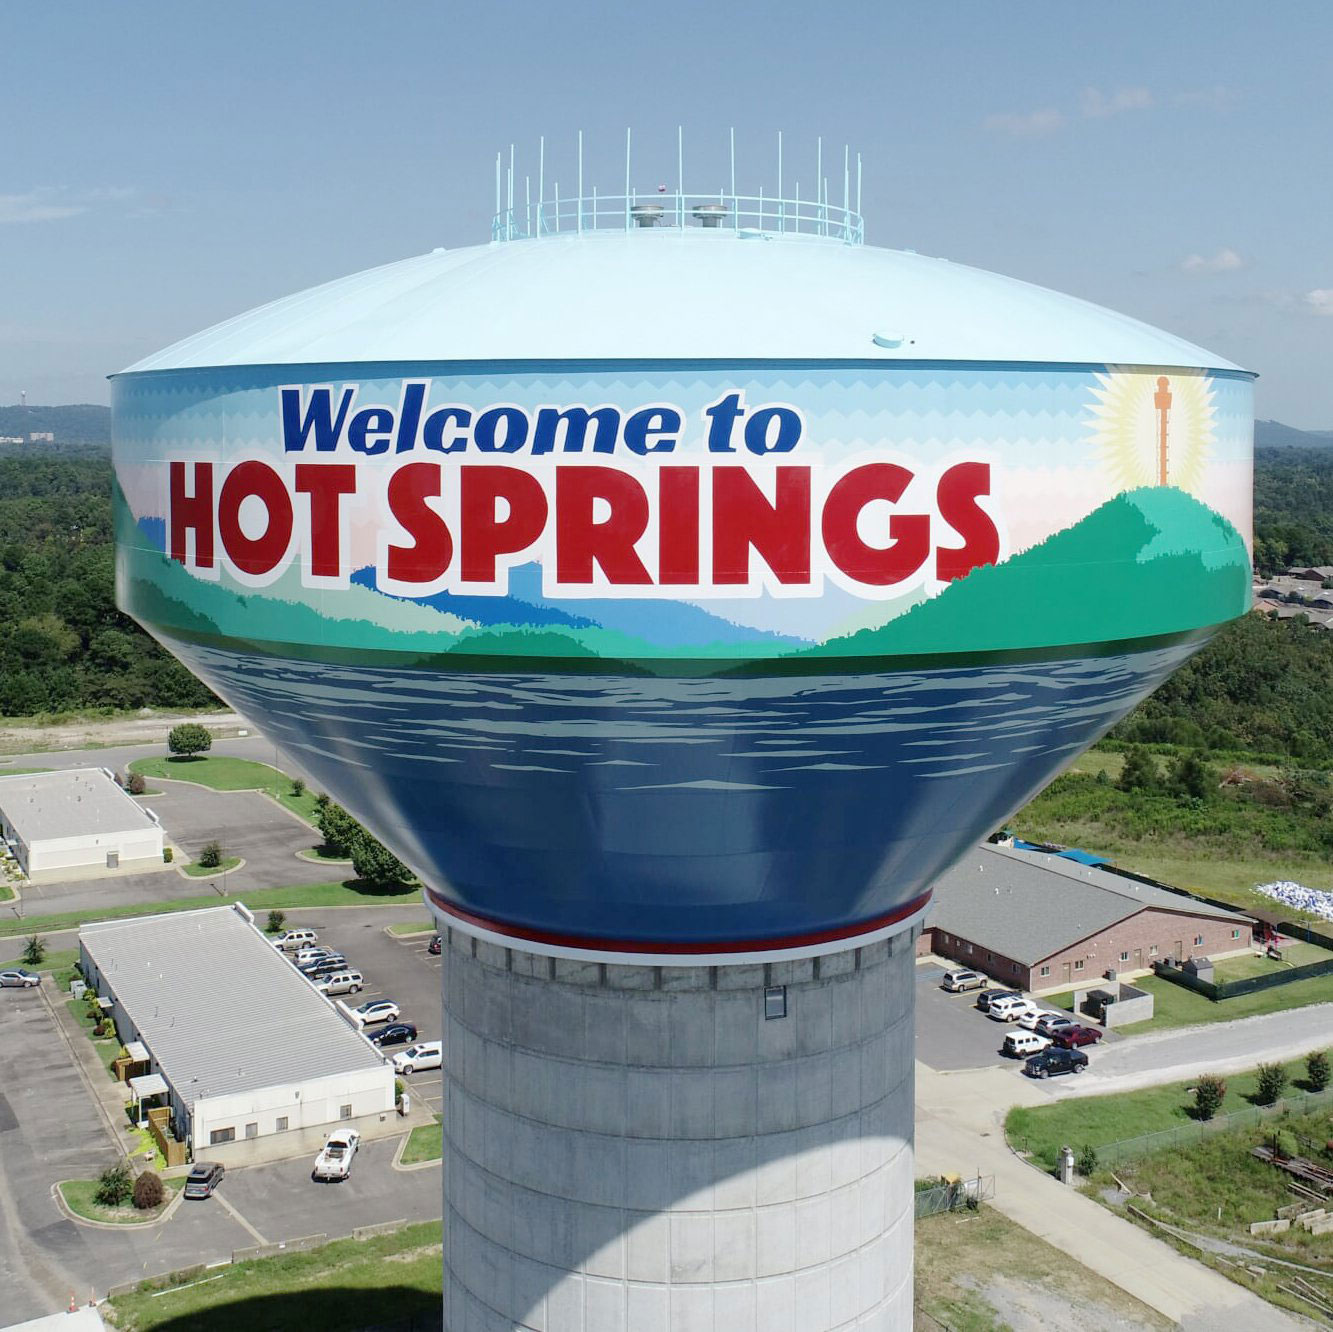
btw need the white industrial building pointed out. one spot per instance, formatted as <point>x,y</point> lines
<point>61,825</point>
<point>243,1044</point>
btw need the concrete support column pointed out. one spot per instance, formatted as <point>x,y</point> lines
<point>636,1149</point>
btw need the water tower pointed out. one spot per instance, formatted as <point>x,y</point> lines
<point>679,585</point>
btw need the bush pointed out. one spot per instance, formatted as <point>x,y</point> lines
<point>1209,1092</point>
<point>136,784</point>
<point>398,1090</point>
<point>168,855</point>
<point>211,856</point>
<point>1317,1070</point>
<point>115,1185</point>
<point>148,1191</point>
<point>34,951</point>
<point>298,786</point>
<point>277,922</point>
<point>100,1029</point>
<point>1283,1143</point>
<point>189,738</point>
<point>1087,1161</point>
<point>1139,772</point>
<point>1271,1084</point>
<point>322,801</point>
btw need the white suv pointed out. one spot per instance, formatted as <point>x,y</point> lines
<point>1009,1008</point>
<point>428,1054</point>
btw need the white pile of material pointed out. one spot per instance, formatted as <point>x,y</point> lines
<point>1297,895</point>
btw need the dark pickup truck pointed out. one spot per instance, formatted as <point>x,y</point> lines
<point>1051,1063</point>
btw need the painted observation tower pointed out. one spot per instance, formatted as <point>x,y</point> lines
<point>679,585</point>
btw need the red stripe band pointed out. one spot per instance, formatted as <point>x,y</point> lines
<point>696,948</point>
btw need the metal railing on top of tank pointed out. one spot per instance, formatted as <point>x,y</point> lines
<point>771,215</point>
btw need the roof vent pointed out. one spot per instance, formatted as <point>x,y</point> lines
<point>646,215</point>
<point>710,214</point>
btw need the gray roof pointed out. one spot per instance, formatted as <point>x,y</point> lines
<point>220,1008</point>
<point>80,802</point>
<point>1027,905</point>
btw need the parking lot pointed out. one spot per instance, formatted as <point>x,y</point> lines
<point>952,1034</point>
<point>394,968</point>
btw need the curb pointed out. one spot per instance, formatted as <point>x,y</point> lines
<point>71,1215</point>
<point>397,1162</point>
<point>208,878</point>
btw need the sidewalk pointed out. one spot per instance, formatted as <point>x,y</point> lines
<point>109,1096</point>
<point>958,1129</point>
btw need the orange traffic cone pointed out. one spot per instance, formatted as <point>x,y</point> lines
<point>73,1304</point>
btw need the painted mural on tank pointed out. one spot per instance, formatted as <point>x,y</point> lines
<point>683,660</point>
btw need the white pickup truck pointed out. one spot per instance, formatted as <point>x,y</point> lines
<point>335,1159</point>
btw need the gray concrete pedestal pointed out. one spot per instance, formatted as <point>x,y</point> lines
<point>641,1148</point>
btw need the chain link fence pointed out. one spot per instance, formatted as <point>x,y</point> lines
<point>950,1195</point>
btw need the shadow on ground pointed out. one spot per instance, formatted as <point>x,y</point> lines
<point>335,1309</point>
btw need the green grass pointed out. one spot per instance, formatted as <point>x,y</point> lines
<point>78,1196</point>
<point>6,771</point>
<point>230,774</point>
<point>108,1048</point>
<point>1096,1120</point>
<point>6,893</point>
<point>412,927</point>
<point>1296,954</point>
<point>346,1285</point>
<point>351,892</point>
<point>198,871</point>
<point>322,855</point>
<point>424,1144</point>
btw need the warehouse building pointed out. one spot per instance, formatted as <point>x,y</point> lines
<point>64,825</point>
<point>243,1045</point>
<point>1042,922</point>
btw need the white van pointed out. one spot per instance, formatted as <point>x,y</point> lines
<point>1009,1008</point>
<point>1020,1044</point>
<point>295,939</point>
<point>340,982</point>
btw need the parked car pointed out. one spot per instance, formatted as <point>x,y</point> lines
<point>429,1054</point>
<point>296,939</point>
<point>958,981</point>
<point>375,1010</point>
<point>340,982</point>
<point>1075,1034</point>
<point>1049,1023</point>
<point>324,966</point>
<point>203,1178</point>
<point>396,1033</point>
<point>17,977</point>
<point>305,957</point>
<point>1020,1044</point>
<point>1050,1063</point>
<point>986,996</point>
<point>335,1158</point>
<point>1009,1008</point>
<point>1032,1020</point>
<point>436,943</point>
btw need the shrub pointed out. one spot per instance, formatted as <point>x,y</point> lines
<point>1283,1143</point>
<point>34,951</point>
<point>322,801</point>
<point>277,922</point>
<point>148,1191</point>
<point>1209,1092</point>
<point>298,786</point>
<point>1317,1070</point>
<point>189,738</point>
<point>1139,772</point>
<point>1087,1161</point>
<point>1271,1084</point>
<point>168,855</point>
<point>211,856</point>
<point>115,1185</point>
<point>397,1091</point>
<point>100,1028</point>
<point>136,784</point>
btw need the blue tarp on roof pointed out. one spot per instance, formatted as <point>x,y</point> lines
<point>1083,857</point>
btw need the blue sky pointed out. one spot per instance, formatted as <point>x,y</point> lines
<point>167,165</point>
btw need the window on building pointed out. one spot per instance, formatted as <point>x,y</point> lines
<point>1045,971</point>
<point>1124,957</point>
<point>282,1124</point>
<point>968,947</point>
<point>1235,934</point>
<point>221,1135</point>
<point>990,957</point>
<point>252,1130</point>
<point>1198,941</point>
<point>1078,966</point>
<point>1152,950</point>
<point>345,1112</point>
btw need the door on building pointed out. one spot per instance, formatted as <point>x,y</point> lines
<point>1138,959</point>
<point>1180,950</point>
<point>1066,973</point>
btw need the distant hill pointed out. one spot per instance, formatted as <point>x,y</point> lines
<point>1275,435</point>
<point>77,423</point>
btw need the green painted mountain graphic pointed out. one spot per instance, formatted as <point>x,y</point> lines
<point>1149,562</point>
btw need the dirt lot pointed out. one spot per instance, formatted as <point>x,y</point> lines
<point>979,1272</point>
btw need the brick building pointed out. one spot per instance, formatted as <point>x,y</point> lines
<point>1040,922</point>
